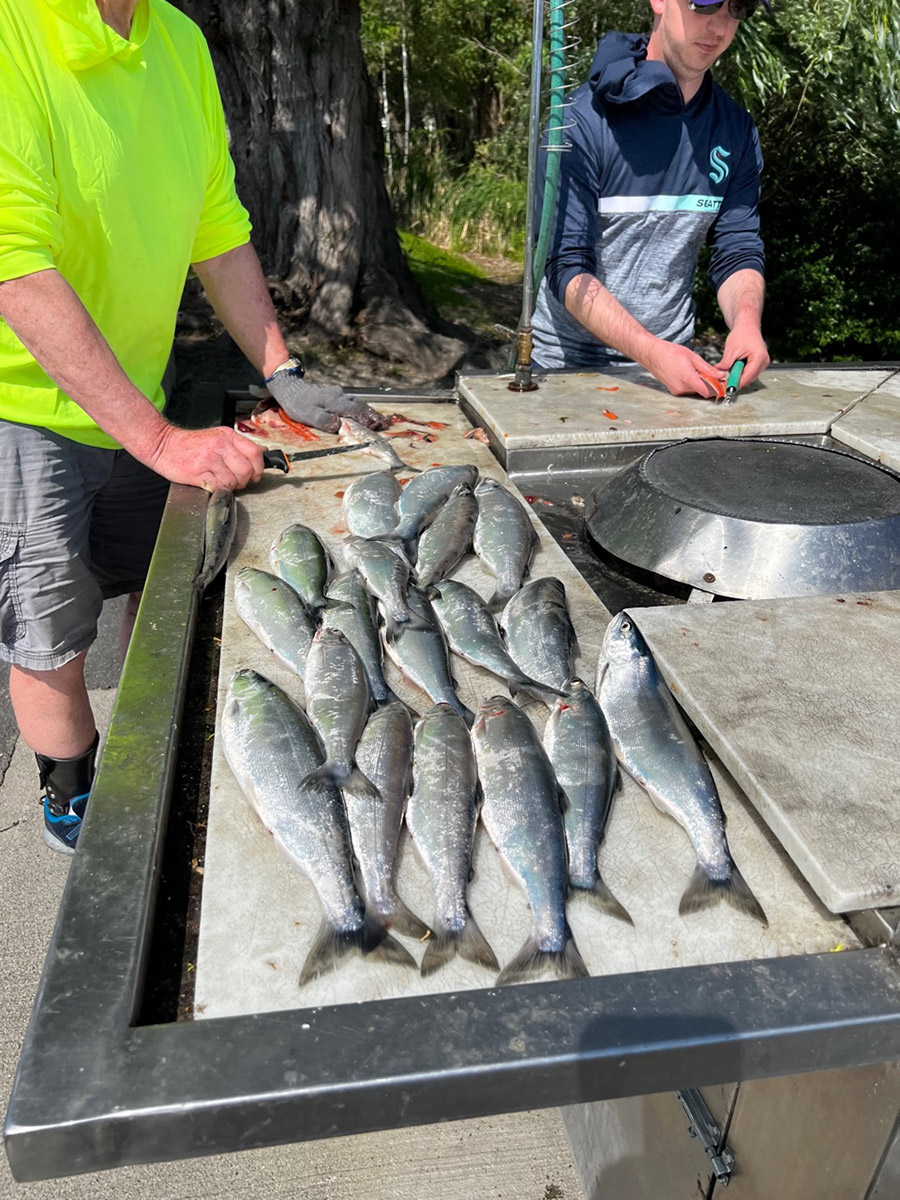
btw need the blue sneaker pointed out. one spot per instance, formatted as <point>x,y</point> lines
<point>61,830</point>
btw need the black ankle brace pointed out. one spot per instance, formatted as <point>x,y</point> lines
<point>62,779</point>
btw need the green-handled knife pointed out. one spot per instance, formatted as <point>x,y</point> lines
<point>733,382</point>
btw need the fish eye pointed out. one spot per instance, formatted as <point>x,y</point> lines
<point>626,626</point>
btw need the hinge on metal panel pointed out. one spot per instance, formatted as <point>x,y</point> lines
<point>703,1126</point>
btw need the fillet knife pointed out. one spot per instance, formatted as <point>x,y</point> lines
<point>282,462</point>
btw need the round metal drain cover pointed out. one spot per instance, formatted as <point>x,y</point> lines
<point>754,518</point>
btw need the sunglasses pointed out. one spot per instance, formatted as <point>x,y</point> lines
<point>740,10</point>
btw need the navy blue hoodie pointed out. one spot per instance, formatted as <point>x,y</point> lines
<point>645,179</point>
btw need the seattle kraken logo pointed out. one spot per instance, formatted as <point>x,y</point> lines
<point>719,165</point>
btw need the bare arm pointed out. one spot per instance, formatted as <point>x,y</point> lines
<point>678,368</point>
<point>48,318</point>
<point>741,299</point>
<point>236,288</point>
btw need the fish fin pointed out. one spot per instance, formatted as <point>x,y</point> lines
<point>381,947</point>
<point>405,921</point>
<point>417,622</point>
<point>522,684</point>
<point>392,628</point>
<point>703,892</point>
<point>602,667</point>
<point>333,605</point>
<point>531,962</point>
<point>469,943</point>
<point>498,601</point>
<point>603,899</point>
<point>325,772</point>
<point>361,786</point>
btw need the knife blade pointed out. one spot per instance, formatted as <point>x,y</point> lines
<point>279,461</point>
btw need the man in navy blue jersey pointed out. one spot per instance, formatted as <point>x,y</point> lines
<point>658,160</point>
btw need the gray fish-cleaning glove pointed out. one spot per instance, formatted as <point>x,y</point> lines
<point>321,407</point>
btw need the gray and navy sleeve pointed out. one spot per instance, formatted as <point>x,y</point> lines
<point>734,239</point>
<point>573,245</point>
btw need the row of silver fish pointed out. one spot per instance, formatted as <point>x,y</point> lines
<point>438,517</point>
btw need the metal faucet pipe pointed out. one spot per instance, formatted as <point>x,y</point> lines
<point>522,381</point>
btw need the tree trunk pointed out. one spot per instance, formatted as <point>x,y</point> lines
<point>304,136</point>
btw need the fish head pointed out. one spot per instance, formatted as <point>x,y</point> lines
<point>246,683</point>
<point>485,485</point>
<point>489,710</point>
<point>623,642</point>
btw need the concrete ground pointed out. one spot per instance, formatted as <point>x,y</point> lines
<point>518,1157</point>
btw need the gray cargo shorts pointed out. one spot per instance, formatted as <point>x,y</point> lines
<point>77,526</point>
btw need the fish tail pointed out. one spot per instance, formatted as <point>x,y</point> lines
<point>531,962</point>
<point>602,898</point>
<point>380,946</point>
<point>469,943</point>
<point>385,696</point>
<point>703,892</point>
<point>326,772</point>
<point>519,684</point>
<point>361,786</point>
<point>333,945</point>
<point>498,601</point>
<point>397,916</point>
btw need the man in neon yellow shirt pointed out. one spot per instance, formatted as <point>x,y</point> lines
<point>115,175</point>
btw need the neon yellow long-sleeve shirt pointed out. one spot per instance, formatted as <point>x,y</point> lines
<point>115,170</point>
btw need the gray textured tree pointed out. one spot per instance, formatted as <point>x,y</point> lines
<point>306,144</point>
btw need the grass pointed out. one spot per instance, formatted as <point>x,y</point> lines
<point>445,278</point>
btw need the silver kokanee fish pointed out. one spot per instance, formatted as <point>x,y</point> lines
<point>471,631</point>
<point>387,574</point>
<point>276,614</point>
<point>578,745</point>
<point>298,557</point>
<point>655,746</point>
<point>423,496</point>
<point>421,654</point>
<point>370,504</point>
<point>504,539</point>
<point>221,522</point>
<point>338,703</point>
<point>270,747</point>
<point>384,755</point>
<point>351,431</point>
<point>441,816</point>
<point>538,632</point>
<point>522,812</point>
<point>351,610</point>
<point>449,536</point>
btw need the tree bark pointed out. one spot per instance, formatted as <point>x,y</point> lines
<point>305,141</point>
